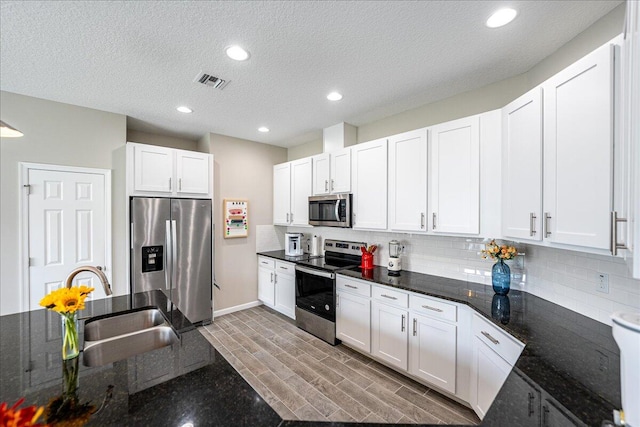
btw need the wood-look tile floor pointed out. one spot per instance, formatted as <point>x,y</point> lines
<point>302,377</point>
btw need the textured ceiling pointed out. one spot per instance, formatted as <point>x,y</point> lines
<point>140,58</point>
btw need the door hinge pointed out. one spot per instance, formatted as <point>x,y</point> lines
<point>32,262</point>
<point>28,187</point>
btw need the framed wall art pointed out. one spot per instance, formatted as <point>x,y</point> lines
<point>236,218</point>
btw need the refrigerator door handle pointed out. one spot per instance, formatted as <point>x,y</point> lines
<point>174,253</point>
<point>168,258</point>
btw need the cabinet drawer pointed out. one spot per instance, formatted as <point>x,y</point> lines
<point>433,307</point>
<point>499,341</point>
<point>266,262</point>
<point>285,268</point>
<point>391,296</point>
<point>353,286</point>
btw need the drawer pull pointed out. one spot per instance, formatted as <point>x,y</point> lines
<point>490,338</point>
<point>415,326</point>
<point>284,268</point>
<point>432,308</point>
<point>388,296</point>
<point>350,286</point>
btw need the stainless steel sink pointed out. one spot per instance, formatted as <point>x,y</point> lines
<point>120,324</point>
<point>121,347</point>
<point>120,336</point>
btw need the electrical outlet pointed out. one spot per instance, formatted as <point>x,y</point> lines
<point>603,283</point>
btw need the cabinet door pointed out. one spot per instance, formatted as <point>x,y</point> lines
<point>578,144</point>
<point>455,176</point>
<point>353,321</point>
<point>153,169</point>
<point>341,171</point>
<point>369,173</point>
<point>522,409</point>
<point>433,352</point>
<point>266,286</point>
<point>389,340</point>
<point>301,189</point>
<point>522,167</point>
<point>408,181</point>
<point>285,294</point>
<point>488,373</point>
<point>554,416</point>
<point>281,193</point>
<point>192,169</point>
<point>321,175</point>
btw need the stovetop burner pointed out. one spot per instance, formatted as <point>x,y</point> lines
<point>338,255</point>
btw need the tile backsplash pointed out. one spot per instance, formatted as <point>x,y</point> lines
<point>567,278</point>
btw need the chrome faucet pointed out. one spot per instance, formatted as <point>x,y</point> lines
<point>95,270</point>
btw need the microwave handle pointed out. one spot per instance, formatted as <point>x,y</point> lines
<point>337,210</point>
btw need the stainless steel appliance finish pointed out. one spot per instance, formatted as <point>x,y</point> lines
<point>171,250</point>
<point>111,326</point>
<point>316,288</point>
<point>333,210</point>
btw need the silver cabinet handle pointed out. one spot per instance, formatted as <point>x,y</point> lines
<point>291,216</point>
<point>547,227</point>
<point>531,399</point>
<point>170,183</point>
<point>614,233</point>
<point>490,338</point>
<point>415,326</point>
<point>326,185</point>
<point>433,221</point>
<point>287,217</point>
<point>271,277</point>
<point>337,300</point>
<point>284,268</point>
<point>402,330</point>
<point>275,278</point>
<point>388,296</point>
<point>428,307</point>
<point>331,185</point>
<point>351,286</point>
<point>179,184</point>
<point>421,220</point>
<point>532,224</point>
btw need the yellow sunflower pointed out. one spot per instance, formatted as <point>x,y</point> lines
<point>66,300</point>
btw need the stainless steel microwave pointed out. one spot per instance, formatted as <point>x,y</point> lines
<point>331,211</point>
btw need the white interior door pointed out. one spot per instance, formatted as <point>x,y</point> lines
<point>67,228</point>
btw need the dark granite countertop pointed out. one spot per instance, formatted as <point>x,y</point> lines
<point>570,361</point>
<point>186,382</point>
<point>280,255</point>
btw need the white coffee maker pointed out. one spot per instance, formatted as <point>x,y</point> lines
<point>293,244</point>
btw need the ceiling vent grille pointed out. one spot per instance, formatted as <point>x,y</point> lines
<point>209,80</point>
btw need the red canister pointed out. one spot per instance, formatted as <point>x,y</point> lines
<point>367,261</point>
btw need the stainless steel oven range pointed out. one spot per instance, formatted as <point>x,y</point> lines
<point>316,287</point>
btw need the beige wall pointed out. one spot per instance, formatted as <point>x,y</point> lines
<point>59,134</point>
<point>162,140</point>
<point>305,150</point>
<point>244,170</point>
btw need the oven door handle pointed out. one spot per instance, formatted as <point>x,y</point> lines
<point>316,272</point>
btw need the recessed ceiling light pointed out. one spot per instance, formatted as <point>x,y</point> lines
<point>501,17</point>
<point>334,96</point>
<point>237,53</point>
<point>184,109</point>
<point>263,129</point>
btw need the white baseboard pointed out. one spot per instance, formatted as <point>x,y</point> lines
<point>235,308</point>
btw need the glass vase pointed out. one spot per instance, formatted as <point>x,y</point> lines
<point>70,344</point>
<point>501,309</point>
<point>501,278</point>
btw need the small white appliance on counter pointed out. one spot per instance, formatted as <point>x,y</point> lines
<point>395,262</point>
<point>626,332</point>
<point>313,245</point>
<point>293,244</point>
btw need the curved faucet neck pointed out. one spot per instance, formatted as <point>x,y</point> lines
<point>95,270</point>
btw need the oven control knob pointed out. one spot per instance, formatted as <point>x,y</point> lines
<point>326,307</point>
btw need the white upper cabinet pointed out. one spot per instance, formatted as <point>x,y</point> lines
<point>578,147</point>
<point>292,186</point>
<point>369,173</point>
<point>522,167</point>
<point>282,194</point>
<point>162,171</point>
<point>454,176</point>
<point>332,172</point>
<point>408,181</point>
<point>301,189</point>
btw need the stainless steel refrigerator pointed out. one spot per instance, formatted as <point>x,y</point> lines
<point>171,250</point>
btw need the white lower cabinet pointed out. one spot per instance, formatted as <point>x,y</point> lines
<point>277,285</point>
<point>353,314</point>
<point>389,340</point>
<point>432,351</point>
<point>494,354</point>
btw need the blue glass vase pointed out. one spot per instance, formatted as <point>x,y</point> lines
<point>501,309</point>
<point>501,278</point>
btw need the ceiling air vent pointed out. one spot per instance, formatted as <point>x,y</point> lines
<point>209,80</point>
